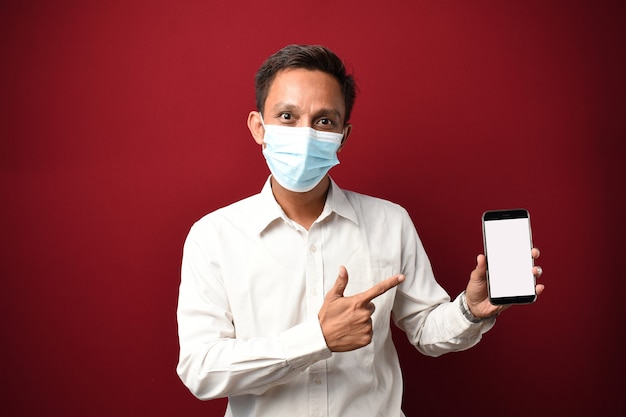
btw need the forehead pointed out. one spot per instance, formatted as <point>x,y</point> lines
<point>306,89</point>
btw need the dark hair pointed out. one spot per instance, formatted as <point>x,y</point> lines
<point>311,57</point>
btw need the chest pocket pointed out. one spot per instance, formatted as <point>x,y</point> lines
<point>360,280</point>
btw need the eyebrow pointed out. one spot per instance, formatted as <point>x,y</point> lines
<point>325,111</point>
<point>292,107</point>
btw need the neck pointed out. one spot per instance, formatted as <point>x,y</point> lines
<point>302,208</point>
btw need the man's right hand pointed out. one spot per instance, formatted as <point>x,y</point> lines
<point>347,321</point>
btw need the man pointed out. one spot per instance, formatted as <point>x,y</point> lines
<point>286,296</point>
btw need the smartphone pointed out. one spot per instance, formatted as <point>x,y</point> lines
<point>508,243</point>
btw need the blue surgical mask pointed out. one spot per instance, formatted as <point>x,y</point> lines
<point>299,157</point>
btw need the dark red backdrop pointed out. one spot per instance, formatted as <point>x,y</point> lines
<point>123,122</point>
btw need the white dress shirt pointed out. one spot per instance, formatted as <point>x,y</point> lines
<point>253,282</point>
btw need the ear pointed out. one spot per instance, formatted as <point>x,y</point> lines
<point>346,132</point>
<point>256,126</point>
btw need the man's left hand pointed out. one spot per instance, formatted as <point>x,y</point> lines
<point>477,295</point>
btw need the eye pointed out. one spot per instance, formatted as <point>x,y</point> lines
<point>285,116</point>
<point>325,123</point>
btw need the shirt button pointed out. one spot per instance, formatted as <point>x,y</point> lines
<point>313,248</point>
<point>317,381</point>
<point>314,292</point>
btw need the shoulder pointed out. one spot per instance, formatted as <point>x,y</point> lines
<point>370,203</point>
<point>237,213</point>
<point>372,210</point>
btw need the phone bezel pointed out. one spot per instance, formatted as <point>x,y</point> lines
<point>507,214</point>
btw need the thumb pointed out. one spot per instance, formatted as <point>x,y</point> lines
<point>479,274</point>
<point>341,283</point>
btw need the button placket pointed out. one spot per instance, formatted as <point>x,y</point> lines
<point>317,384</point>
<point>314,272</point>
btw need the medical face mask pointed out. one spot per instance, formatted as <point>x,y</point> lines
<point>299,157</point>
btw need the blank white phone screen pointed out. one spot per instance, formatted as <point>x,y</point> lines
<point>509,259</point>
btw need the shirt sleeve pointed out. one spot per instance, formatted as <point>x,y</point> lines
<point>432,323</point>
<point>446,329</point>
<point>213,362</point>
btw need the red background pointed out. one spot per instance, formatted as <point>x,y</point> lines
<point>124,122</point>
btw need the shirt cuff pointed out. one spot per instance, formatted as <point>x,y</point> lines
<point>304,344</point>
<point>466,311</point>
<point>468,316</point>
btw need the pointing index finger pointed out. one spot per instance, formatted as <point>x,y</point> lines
<point>381,288</point>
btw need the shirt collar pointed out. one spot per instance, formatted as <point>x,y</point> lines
<point>268,210</point>
<point>338,202</point>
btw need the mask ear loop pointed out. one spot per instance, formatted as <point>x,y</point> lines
<point>343,137</point>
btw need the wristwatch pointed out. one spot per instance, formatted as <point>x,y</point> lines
<point>466,311</point>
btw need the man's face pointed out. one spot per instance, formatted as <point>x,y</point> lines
<point>304,98</point>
